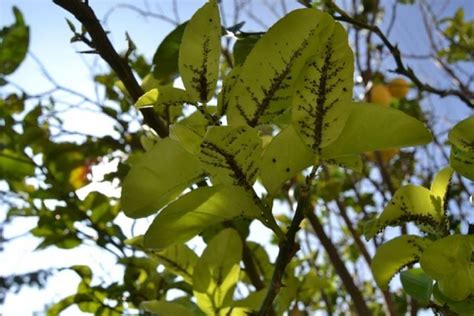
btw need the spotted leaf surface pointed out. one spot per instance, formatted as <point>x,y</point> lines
<point>416,204</point>
<point>267,77</point>
<point>200,51</point>
<point>231,155</point>
<point>462,152</point>
<point>394,255</point>
<point>323,95</point>
<point>283,158</point>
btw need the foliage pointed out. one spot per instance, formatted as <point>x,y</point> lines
<point>272,127</point>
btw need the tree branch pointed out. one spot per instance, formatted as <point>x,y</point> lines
<point>352,289</point>
<point>395,52</point>
<point>84,13</point>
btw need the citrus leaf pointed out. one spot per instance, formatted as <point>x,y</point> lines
<point>231,155</point>
<point>440,183</point>
<point>412,203</point>
<point>217,271</point>
<point>157,177</point>
<point>148,99</point>
<point>165,59</point>
<point>195,211</point>
<point>462,162</point>
<point>323,96</point>
<point>372,127</point>
<point>187,137</point>
<point>283,158</point>
<point>14,41</point>
<point>227,85</point>
<point>394,255</point>
<point>162,308</point>
<point>266,80</point>
<point>243,46</point>
<point>417,284</point>
<point>462,135</point>
<point>200,51</point>
<point>178,259</point>
<point>448,260</point>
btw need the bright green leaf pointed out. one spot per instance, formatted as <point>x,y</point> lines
<point>187,137</point>
<point>267,77</point>
<point>462,162</point>
<point>179,259</point>
<point>158,177</point>
<point>195,211</point>
<point>448,261</point>
<point>200,51</point>
<point>217,271</point>
<point>162,308</point>
<point>394,255</point>
<point>440,183</point>
<point>372,127</point>
<point>148,99</point>
<point>462,135</point>
<point>283,158</point>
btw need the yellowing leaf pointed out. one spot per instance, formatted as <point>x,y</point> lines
<point>394,255</point>
<point>200,51</point>
<point>148,99</point>
<point>157,177</point>
<point>324,92</point>
<point>78,177</point>
<point>265,85</point>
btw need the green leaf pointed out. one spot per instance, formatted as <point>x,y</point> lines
<point>462,308</point>
<point>158,177</point>
<point>148,99</point>
<point>412,203</point>
<point>228,83</point>
<point>217,271</point>
<point>394,255</point>
<point>253,301</point>
<point>439,186</point>
<point>462,135</point>
<point>178,259</point>
<point>283,158</point>
<point>372,127</point>
<point>418,204</point>
<point>195,211</point>
<point>170,104</point>
<point>462,162</point>
<point>200,51</point>
<point>266,81</point>
<point>162,308</point>
<point>165,60</point>
<point>14,41</point>
<point>448,261</point>
<point>243,46</point>
<point>462,152</point>
<point>187,137</point>
<point>15,166</point>
<point>323,96</point>
<point>231,155</point>
<point>417,284</point>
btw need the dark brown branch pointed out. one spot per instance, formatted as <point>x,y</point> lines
<point>395,52</point>
<point>288,247</point>
<point>84,13</point>
<point>341,270</point>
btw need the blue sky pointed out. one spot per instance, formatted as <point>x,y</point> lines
<point>50,44</point>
